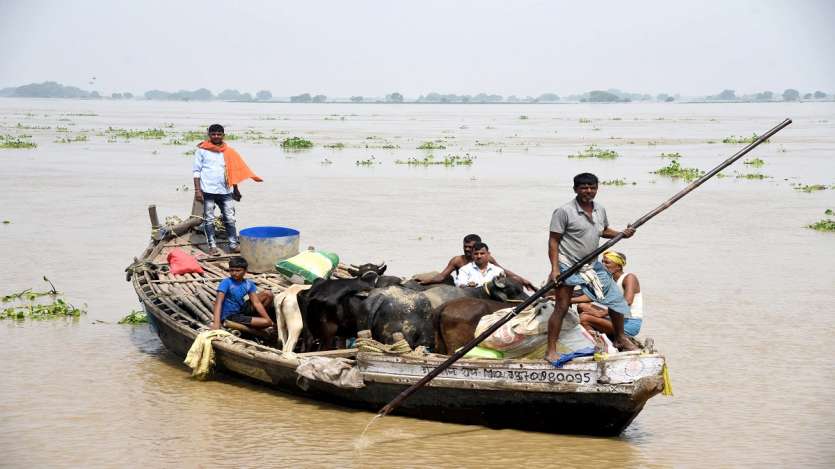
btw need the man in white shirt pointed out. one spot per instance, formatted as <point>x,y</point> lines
<point>211,188</point>
<point>480,270</point>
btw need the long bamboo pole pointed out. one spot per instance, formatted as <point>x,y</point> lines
<point>388,408</point>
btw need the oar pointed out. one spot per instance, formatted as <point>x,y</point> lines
<point>573,270</point>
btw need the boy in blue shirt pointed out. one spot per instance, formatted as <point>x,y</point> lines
<point>231,299</point>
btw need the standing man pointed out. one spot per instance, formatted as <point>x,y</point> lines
<point>480,270</point>
<point>217,171</point>
<point>576,229</point>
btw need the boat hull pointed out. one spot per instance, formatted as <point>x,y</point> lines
<point>606,412</point>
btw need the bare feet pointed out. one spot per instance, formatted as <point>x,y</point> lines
<point>216,252</point>
<point>552,357</point>
<point>625,345</point>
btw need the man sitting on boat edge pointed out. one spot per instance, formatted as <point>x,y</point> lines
<point>594,317</point>
<point>480,270</point>
<point>450,272</point>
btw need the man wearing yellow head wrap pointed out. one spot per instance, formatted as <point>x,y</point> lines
<point>596,318</point>
<point>615,257</point>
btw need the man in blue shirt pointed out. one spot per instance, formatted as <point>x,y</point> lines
<point>231,299</point>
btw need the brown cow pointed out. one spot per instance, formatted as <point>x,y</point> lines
<point>456,321</point>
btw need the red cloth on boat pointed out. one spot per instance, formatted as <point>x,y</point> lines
<point>181,262</point>
<point>236,168</point>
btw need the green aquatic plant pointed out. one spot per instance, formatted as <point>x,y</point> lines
<point>448,160</point>
<point>26,304</point>
<point>367,162</point>
<point>57,309</point>
<point>326,161</point>
<point>827,212</point>
<point>593,151</point>
<point>135,317</point>
<point>752,176</point>
<point>390,146</point>
<point>7,222</point>
<point>734,139</point>
<point>146,134</point>
<point>20,126</point>
<point>77,138</point>
<point>618,182</point>
<point>523,117</point>
<point>436,145</point>
<point>193,135</point>
<point>81,114</point>
<point>827,225</point>
<point>335,146</point>
<point>16,142</point>
<point>674,170</point>
<point>670,155</point>
<point>296,143</point>
<point>584,120</point>
<point>755,162</point>
<point>809,188</point>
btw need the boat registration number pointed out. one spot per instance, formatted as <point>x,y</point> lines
<point>522,376</point>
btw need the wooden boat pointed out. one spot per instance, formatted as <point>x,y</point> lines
<point>599,396</point>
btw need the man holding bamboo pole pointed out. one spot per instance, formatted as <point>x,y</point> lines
<point>576,229</point>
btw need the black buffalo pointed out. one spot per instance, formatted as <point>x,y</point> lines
<point>327,323</point>
<point>398,309</point>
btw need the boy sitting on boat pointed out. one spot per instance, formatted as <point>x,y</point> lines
<point>231,300</point>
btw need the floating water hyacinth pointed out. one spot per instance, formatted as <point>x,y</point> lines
<point>296,143</point>
<point>593,151</point>
<point>135,317</point>
<point>674,170</point>
<point>27,304</point>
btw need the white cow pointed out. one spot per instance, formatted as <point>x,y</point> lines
<point>288,317</point>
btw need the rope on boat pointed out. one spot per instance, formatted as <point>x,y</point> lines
<point>400,347</point>
<point>138,267</point>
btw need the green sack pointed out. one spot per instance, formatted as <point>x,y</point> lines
<point>308,266</point>
<point>483,352</point>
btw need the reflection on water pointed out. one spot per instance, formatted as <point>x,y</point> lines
<point>737,290</point>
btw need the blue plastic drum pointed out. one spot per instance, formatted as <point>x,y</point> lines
<point>264,246</point>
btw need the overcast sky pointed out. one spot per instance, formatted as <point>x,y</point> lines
<point>344,48</point>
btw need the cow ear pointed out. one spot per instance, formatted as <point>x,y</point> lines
<point>382,268</point>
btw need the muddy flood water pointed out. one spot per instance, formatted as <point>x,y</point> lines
<point>738,291</point>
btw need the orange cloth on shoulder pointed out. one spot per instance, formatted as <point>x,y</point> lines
<point>236,168</point>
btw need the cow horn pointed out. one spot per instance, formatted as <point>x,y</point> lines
<point>498,282</point>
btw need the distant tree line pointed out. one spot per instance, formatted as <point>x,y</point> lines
<point>51,89</point>
<point>789,94</point>
<point>48,89</point>
<point>204,94</point>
